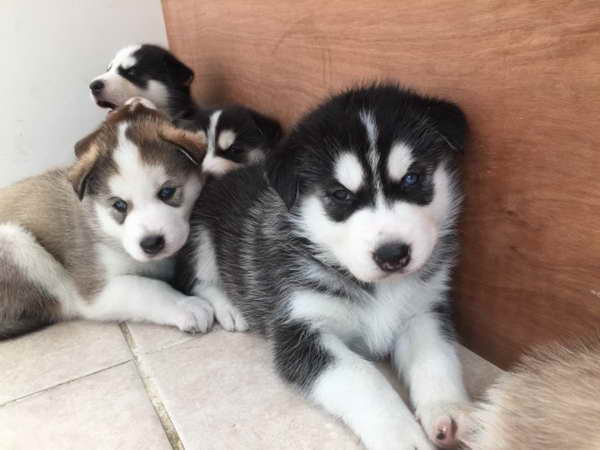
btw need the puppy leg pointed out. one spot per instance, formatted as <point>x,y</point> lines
<point>228,316</point>
<point>348,387</point>
<point>429,363</point>
<point>135,298</point>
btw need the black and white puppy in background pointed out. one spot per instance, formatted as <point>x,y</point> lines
<point>147,71</point>
<point>236,136</point>
<point>342,254</point>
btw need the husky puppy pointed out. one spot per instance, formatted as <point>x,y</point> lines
<point>147,71</point>
<point>341,254</point>
<point>237,136</point>
<point>550,401</point>
<point>95,240</point>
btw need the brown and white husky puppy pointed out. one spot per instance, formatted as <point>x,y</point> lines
<point>95,240</point>
<point>550,401</point>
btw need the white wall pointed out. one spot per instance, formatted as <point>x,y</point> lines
<point>49,52</point>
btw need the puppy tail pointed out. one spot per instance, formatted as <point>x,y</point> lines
<point>11,328</point>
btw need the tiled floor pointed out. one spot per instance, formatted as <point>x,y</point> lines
<point>84,385</point>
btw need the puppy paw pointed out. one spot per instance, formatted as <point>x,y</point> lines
<point>229,317</point>
<point>198,315</point>
<point>441,422</point>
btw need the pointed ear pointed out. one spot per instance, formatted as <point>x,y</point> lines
<point>83,145</point>
<point>451,123</point>
<point>270,128</point>
<point>80,172</point>
<point>192,145</point>
<point>282,173</point>
<point>181,73</point>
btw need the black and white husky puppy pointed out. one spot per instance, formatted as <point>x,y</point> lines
<point>148,71</point>
<point>236,136</point>
<point>342,255</point>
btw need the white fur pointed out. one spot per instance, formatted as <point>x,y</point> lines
<point>354,241</point>
<point>136,298</point>
<point>368,120</point>
<point>118,90</point>
<point>226,139</point>
<point>349,172</point>
<point>432,370</point>
<point>40,267</point>
<point>209,286</point>
<point>399,161</point>
<point>395,319</point>
<point>212,163</point>
<point>138,184</point>
<point>355,391</point>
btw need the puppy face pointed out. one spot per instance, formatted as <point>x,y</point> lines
<point>139,176</point>
<point>236,136</point>
<point>141,70</point>
<point>369,178</point>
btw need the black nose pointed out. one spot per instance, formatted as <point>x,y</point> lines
<point>96,86</point>
<point>393,256</point>
<point>153,244</point>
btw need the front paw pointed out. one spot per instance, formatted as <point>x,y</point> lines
<point>229,317</point>
<point>441,422</point>
<point>197,315</point>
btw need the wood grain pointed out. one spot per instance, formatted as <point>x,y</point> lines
<point>527,73</point>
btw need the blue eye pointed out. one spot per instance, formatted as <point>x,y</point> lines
<point>342,196</point>
<point>120,205</point>
<point>166,193</point>
<point>410,179</point>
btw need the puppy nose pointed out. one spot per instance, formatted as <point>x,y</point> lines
<point>153,244</point>
<point>96,86</point>
<point>392,256</point>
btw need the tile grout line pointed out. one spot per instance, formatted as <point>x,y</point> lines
<point>152,392</point>
<point>72,380</point>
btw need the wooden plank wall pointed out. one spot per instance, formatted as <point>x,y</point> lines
<point>527,73</point>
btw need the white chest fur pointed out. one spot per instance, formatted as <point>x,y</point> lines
<point>115,263</point>
<point>374,324</point>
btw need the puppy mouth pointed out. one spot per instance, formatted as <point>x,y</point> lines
<point>105,104</point>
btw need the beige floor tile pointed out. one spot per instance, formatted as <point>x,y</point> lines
<point>57,354</point>
<point>478,373</point>
<point>148,337</point>
<point>221,393</point>
<point>108,410</point>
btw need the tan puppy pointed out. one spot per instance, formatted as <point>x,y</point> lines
<point>95,240</point>
<point>551,401</point>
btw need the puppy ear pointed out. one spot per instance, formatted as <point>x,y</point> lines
<point>181,73</point>
<point>192,145</point>
<point>451,123</point>
<point>282,173</point>
<point>269,128</point>
<point>87,154</point>
<point>83,145</point>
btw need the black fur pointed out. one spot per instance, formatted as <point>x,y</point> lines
<point>253,131</point>
<point>250,216</point>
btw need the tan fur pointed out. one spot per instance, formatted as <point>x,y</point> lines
<point>550,401</point>
<point>56,217</point>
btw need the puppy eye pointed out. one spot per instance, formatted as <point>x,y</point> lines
<point>410,180</point>
<point>120,206</point>
<point>166,193</point>
<point>342,196</point>
<point>132,72</point>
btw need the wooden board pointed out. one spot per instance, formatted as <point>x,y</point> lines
<point>528,76</point>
